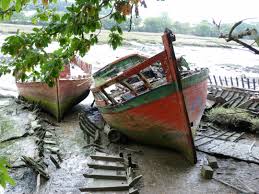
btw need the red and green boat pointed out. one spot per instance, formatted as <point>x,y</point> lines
<point>71,88</point>
<point>150,100</point>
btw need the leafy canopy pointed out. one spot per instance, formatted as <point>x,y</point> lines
<point>75,31</point>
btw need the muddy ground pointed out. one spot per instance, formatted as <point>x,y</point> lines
<point>164,171</point>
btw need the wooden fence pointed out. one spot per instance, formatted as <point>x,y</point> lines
<point>239,82</point>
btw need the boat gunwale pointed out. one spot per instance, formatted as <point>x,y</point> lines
<point>187,82</point>
<point>61,80</point>
<point>117,61</point>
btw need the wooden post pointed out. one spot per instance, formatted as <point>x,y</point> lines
<point>210,80</point>
<point>231,79</point>
<point>237,81</point>
<point>243,85</point>
<point>248,83</point>
<point>226,81</point>
<point>220,80</point>
<point>254,83</point>
<point>215,80</point>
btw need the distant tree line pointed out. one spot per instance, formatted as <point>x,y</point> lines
<point>204,28</point>
<point>158,24</point>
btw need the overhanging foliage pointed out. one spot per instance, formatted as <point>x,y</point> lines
<point>75,31</point>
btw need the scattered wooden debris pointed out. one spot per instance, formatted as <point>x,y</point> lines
<point>233,98</point>
<point>55,162</point>
<point>207,172</point>
<point>35,166</point>
<point>215,141</point>
<point>229,149</point>
<point>110,174</point>
<point>242,190</point>
<point>212,162</point>
<point>91,131</point>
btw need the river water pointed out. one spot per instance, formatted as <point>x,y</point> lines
<point>235,61</point>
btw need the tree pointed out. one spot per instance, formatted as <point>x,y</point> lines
<point>75,31</point>
<point>204,28</point>
<point>157,24</point>
<point>181,28</point>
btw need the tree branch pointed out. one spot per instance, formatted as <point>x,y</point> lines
<point>256,51</point>
<point>106,15</point>
<point>236,38</point>
<point>233,28</point>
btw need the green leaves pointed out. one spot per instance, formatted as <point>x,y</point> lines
<point>4,176</point>
<point>75,32</point>
<point>18,5</point>
<point>115,36</point>
<point>5,4</point>
<point>115,40</point>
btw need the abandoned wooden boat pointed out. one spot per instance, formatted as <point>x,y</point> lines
<point>151,101</point>
<point>71,88</point>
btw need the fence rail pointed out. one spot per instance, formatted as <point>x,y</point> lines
<point>239,82</point>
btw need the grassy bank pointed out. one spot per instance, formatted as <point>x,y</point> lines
<point>140,37</point>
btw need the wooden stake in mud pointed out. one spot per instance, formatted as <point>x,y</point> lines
<point>231,80</point>
<point>220,80</point>
<point>248,83</point>
<point>243,84</point>
<point>210,80</point>
<point>226,81</point>
<point>215,80</point>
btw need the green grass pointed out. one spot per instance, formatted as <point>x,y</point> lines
<point>233,117</point>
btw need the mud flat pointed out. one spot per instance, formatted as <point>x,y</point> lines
<point>16,140</point>
<point>164,171</point>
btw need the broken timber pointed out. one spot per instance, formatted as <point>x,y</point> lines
<point>91,131</point>
<point>110,174</point>
<point>35,166</point>
<point>233,98</point>
<point>225,143</point>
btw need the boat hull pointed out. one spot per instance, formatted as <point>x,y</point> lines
<point>58,99</point>
<point>155,117</point>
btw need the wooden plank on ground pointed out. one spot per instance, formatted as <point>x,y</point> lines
<point>231,149</point>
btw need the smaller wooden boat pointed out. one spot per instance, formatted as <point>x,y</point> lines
<point>153,100</point>
<point>71,88</point>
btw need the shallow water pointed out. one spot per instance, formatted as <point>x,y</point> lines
<point>234,61</point>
